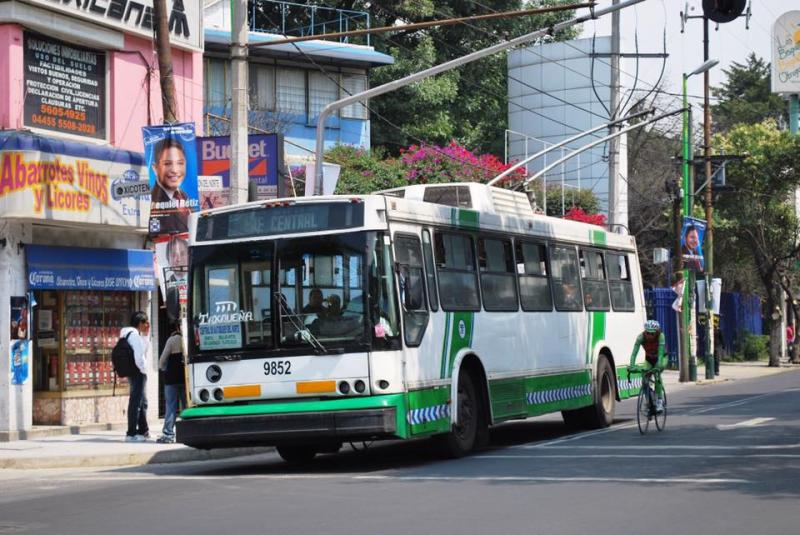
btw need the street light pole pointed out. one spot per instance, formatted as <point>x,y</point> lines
<point>688,370</point>
<point>709,252</point>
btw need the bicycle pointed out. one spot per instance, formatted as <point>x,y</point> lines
<point>646,402</point>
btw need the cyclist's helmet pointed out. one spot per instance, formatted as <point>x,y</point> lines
<point>651,326</point>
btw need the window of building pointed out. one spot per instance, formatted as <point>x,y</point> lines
<point>619,280</point>
<point>262,87</point>
<point>352,84</point>
<point>412,287</point>
<point>534,283</point>
<point>566,282</point>
<point>498,286</point>
<point>217,84</point>
<point>323,88</point>
<point>291,88</point>
<point>595,287</point>
<point>455,265</point>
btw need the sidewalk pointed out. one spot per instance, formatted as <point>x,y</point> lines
<point>99,446</point>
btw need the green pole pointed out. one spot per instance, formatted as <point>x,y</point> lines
<point>794,110</point>
<point>687,370</point>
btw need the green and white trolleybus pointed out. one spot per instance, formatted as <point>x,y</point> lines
<point>428,310</point>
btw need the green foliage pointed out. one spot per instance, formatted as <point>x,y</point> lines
<point>581,198</point>
<point>468,104</point>
<point>754,347</point>
<point>364,171</point>
<point>746,96</point>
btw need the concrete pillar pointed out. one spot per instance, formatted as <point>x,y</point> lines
<point>16,401</point>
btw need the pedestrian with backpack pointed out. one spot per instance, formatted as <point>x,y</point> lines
<point>138,337</point>
<point>172,362</point>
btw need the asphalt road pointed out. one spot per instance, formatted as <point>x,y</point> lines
<point>728,463</point>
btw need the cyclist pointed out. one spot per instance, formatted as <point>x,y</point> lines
<point>652,340</point>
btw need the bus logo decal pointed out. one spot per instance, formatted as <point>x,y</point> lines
<point>462,329</point>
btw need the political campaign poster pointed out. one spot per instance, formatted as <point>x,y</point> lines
<point>172,258</point>
<point>19,318</point>
<point>264,157</point>
<point>171,158</point>
<point>692,235</point>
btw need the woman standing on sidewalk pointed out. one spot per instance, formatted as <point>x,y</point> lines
<point>172,362</point>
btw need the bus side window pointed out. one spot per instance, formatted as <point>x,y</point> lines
<point>455,269</point>
<point>498,286</point>
<point>619,279</point>
<point>427,250</point>
<point>566,280</point>
<point>533,274</point>
<point>595,287</point>
<point>410,278</point>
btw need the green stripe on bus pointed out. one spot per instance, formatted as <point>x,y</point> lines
<point>558,392</point>
<point>445,354</point>
<point>597,332</point>
<point>468,219</point>
<point>398,401</point>
<point>428,410</point>
<point>461,331</point>
<point>597,237</point>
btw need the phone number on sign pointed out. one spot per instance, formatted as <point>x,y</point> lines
<point>63,124</point>
<point>62,112</point>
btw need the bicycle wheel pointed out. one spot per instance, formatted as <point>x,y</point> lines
<point>643,409</point>
<point>661,417</point>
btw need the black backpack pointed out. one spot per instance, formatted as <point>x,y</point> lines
<point>122,358</point>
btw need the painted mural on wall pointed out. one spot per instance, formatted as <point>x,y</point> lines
<point>49,179</point>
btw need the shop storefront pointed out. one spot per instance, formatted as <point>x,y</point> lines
<point>74,223</point>
<point>83,299</point>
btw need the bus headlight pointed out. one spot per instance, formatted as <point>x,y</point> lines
<point>213,373</point>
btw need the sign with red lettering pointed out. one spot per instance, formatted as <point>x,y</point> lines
<point>43,178</point>
<point>65,87</point>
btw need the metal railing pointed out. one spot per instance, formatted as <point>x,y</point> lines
<point>292,19</point>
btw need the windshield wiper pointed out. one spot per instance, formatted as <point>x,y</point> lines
<point>301,332</point>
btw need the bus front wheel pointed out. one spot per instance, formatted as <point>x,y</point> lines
<point>463,436</point>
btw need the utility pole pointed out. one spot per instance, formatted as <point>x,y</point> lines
<point>709,256</point>
<point>614,144</point>
<point>164,52</point>
<point>240,176</point>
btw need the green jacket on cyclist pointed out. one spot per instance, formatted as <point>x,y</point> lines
<point>653,342</point>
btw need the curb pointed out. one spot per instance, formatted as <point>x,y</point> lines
<point>181,455</point>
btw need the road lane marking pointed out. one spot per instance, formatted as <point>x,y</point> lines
<point>667,447</point>
<point>754,422</point>
<point>540,479</point>
<point>649,456</point>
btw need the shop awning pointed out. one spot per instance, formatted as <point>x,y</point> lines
<point>77,268</point>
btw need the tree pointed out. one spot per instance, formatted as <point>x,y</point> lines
<point>468,104</point>
<point>746,97</point>
<point>761,216</point>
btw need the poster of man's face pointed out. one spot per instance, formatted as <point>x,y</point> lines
<point>692,244</point>
<point>172,256</point>
<point>19,318</point>
<point>171,157</point>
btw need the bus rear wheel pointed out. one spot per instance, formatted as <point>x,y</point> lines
<point>601,412</point>
<point>463,437</point>
<point>296,454</point>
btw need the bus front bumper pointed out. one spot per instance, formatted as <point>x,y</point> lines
<point>288,428</point>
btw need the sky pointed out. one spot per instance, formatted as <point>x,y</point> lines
<point>731,43</point>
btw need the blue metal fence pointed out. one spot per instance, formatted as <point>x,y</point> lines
<point>659,307</point>
<point>738,314</point>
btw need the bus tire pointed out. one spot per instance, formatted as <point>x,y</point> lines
<point>463,436</point>
<point>601,413</point>
<point>296,454</point>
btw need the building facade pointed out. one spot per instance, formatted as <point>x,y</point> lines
<point>78,81</point>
